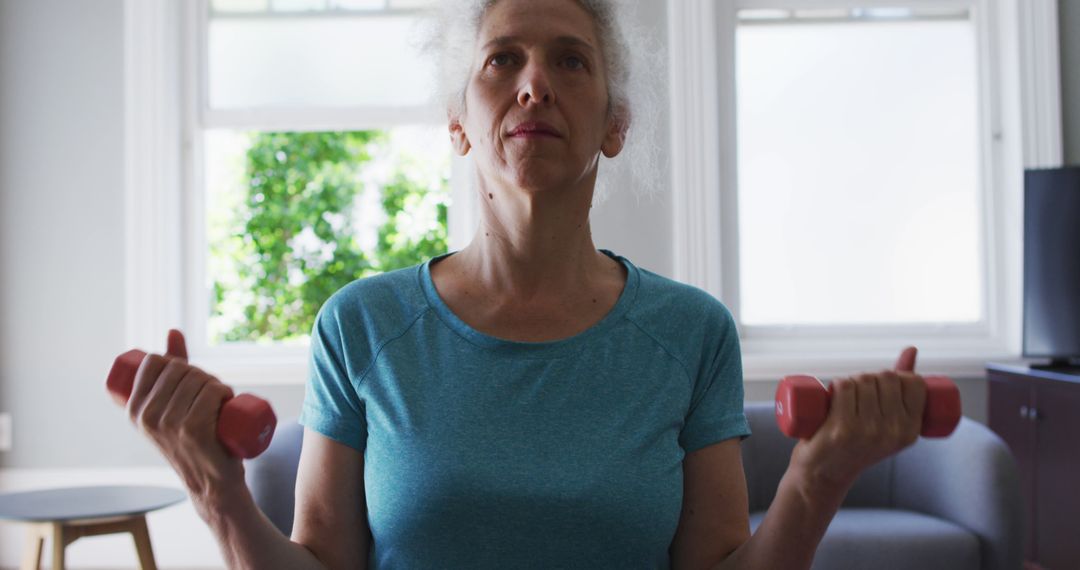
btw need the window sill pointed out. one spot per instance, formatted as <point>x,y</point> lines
<point>772,367</point>
<point>264,370</point>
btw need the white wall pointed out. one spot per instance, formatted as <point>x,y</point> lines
<point>61,189</point>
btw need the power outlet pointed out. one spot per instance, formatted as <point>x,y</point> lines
<point>5,432</point>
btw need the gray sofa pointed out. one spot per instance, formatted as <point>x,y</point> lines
<point>950,504</point>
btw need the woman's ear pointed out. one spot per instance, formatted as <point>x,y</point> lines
<point>457,134</point>
<point>615,138</point>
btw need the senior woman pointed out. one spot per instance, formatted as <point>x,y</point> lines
<point>528,401</point>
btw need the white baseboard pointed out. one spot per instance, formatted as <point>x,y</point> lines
<point>181,540</point>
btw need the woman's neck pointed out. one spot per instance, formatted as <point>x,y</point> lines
<point>533,246</point>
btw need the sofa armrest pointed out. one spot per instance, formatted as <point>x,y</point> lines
<point>970,479</point>
<point>271,476</point>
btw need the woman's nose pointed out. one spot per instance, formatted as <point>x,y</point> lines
<point>536,88</point>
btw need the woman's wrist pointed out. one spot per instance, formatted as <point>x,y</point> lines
<point>223,501</point>
<point>800,513</point>
<point>246,537</point>
<point>817,485</point>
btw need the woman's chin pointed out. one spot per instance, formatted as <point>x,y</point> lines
<point>544,176</point>
<point>540,184</point>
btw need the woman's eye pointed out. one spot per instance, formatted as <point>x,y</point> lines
<point>574,62</point>
<point>500,60</point>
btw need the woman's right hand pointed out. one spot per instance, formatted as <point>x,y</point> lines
<point>177,405</point>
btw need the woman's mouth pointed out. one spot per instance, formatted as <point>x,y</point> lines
<point>534,129</point>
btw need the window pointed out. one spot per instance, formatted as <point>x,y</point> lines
<point>315,157</point>
<point>848,174</point>
<point>858,168</point>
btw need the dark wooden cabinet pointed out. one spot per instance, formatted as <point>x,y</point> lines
<point>1037,413</point>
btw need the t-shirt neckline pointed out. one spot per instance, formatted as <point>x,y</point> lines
<point>558,347</point>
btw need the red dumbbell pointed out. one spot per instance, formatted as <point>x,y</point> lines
<point>802,403</point>
<point>245,424</point>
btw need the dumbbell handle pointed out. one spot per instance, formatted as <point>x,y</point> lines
<point>245,424</point>
<point>802,404</point>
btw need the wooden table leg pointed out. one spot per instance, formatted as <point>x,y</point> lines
<point>35,541</point>
<point>64,533</point>
<point>142,543</point>
<point>58,545</point>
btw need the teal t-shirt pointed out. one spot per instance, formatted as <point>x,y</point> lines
<point>485,453</point>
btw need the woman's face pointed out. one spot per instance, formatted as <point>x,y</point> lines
<point>536,104</point>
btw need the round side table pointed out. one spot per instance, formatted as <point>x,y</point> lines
<point>72,513</point>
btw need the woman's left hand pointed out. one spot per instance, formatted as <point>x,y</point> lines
<point>871,416</point>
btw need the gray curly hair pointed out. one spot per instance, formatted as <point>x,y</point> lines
<point>451,36</point>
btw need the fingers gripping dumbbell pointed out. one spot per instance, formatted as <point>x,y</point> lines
<point>802,404</point>
<point>245,424</point>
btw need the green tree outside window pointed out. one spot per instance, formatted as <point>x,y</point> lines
<point>292,236</point>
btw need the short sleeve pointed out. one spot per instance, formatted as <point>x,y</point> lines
<point>716,407</point>
<point>331,404</point>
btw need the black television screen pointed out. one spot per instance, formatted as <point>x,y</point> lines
<point>1052,264</point>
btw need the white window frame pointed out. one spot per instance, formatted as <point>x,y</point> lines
<point>165,114</point>
<point>1020,122</point>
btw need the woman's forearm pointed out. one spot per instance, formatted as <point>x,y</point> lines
<point>249,540</point>
<point>793,526</point>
